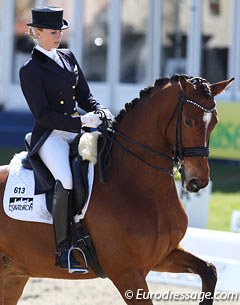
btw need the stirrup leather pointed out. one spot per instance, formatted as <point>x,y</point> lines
<point>83,269</point>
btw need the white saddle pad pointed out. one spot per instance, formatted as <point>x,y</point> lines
<point>19,201</point>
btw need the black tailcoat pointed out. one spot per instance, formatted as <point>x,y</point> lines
<point>52,92</point>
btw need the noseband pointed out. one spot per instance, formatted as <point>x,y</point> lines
<point>179,151</point>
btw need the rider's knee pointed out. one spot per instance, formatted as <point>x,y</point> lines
<point>67,182</point>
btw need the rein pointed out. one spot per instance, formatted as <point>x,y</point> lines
<point>144,147</point>
<point>179,151</point>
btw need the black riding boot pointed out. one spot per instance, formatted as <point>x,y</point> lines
<point>60,223</point>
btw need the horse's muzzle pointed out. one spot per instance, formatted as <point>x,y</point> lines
<point>195,184</point>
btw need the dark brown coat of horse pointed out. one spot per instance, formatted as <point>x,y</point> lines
<point>136,219</point>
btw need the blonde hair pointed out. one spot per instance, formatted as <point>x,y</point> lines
<point>32,33</point>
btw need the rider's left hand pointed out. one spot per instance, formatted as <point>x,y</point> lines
<point>108,114</point>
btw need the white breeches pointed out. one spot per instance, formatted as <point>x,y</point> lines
<point>55,155</point>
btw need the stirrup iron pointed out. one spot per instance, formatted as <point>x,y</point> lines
<point>71,269</point>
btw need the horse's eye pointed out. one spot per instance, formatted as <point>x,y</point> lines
<point>188,122</point>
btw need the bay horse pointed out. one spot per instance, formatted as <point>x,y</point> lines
<point>136,218</point>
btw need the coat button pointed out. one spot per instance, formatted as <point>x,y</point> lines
<point>61,102</point>
<point>65,113</point>
<point>74,97</point>
<point>73,87</point>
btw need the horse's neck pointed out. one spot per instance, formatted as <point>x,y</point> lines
<point>147,122</point>
<point>144,124</point>
<point>142,185</point>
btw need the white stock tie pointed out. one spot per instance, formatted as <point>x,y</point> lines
<point>57,59</point>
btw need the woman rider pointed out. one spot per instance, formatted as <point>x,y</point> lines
<point>52,83</point>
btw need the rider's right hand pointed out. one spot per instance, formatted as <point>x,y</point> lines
<point>91,120</point>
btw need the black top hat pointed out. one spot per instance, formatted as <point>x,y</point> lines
<point>48,18</point>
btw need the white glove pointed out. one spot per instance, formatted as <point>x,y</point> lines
<point>91,120</point>
<point>108,114</point>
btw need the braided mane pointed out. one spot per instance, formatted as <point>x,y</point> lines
<point>160,82</point>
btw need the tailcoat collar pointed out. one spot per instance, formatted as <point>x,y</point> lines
<point>69,70</point>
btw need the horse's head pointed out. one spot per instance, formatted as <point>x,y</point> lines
<point>185,126</point>
<point>196,118</point>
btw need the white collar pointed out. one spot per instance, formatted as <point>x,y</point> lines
<point>51,54</point>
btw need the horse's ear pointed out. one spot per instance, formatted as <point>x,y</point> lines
<point>219,87</point>
<point>183,82</point>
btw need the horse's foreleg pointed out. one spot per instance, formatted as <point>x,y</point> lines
<point>13,288</point>
<point>133,288</point>
<point>12,281</point>
<point>181,261</point>
<point>1,282</point>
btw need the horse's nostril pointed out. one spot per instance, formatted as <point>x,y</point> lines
<point>194,185</point>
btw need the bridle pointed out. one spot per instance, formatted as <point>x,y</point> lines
<point>179,152</point>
